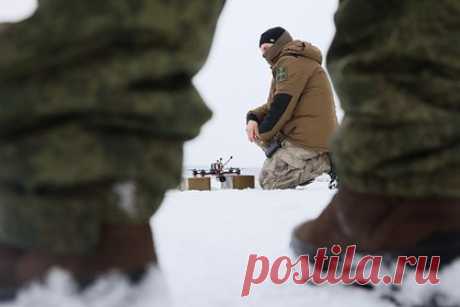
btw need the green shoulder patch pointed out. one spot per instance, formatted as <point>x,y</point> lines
<point>281,74</point>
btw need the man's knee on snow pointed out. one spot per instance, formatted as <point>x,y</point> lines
<point>279,180</point>
<point>274,173</point>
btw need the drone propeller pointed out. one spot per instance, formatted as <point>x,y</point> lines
<point>229,159</point>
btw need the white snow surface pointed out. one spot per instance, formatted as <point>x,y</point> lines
<point>203,241</point>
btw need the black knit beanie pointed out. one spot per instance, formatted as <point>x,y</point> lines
<point>271,35</point>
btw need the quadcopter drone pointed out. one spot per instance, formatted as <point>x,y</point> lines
<point>218,170</point>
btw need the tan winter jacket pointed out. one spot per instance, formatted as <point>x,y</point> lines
<point>300,104</point>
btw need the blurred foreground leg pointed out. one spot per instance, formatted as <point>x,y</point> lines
<point>396,68</point>
<point>96,103</point>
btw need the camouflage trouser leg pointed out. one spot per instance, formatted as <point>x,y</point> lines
<point>291,166</point>
<point>96,101</point>
<point>70,221</point>
<point>396,67</point>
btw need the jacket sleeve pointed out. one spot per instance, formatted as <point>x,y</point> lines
<point>258,114</point>
<point>291,76</point>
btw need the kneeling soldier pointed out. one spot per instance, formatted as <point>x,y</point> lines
<point>295,124</point>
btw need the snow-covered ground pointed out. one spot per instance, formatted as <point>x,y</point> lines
<point>204,240</point>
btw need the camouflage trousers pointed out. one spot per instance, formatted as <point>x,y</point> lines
<point>292,166</point>
<point>96,97</point>
<point>70,221</point>
<point>396,68</point>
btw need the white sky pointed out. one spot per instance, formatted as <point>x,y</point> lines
<point>12,10</point>
<point>235,77</point>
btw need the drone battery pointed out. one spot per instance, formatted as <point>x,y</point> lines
<point>239,182</point>
<point>199,184</point>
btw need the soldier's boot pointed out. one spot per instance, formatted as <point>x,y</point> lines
<point>127,249</point>
<point>383,226</point>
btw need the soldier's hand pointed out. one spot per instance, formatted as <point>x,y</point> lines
<point>252,130</point>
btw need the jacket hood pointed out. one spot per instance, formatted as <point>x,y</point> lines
<point>304,49</point>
